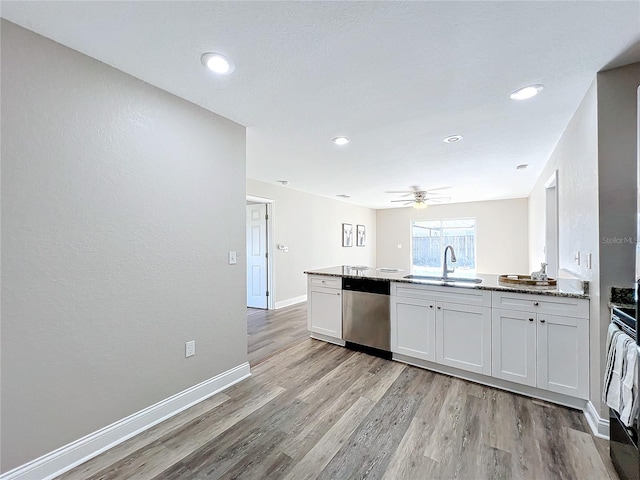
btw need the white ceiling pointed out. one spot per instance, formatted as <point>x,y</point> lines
<point>395,77</point>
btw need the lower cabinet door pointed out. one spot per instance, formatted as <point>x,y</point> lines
<point>325,311</point>
<point>563,355</point>
<point>413,328</point>
<point>513,346</point>
<point>463,337</point>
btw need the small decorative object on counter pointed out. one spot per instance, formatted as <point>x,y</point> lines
<point>527,281</point>
<point>540,274</point>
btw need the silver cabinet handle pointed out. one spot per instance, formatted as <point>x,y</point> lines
<point>439,308</point>
<point>535,304</point>
<point>430,306</point>
<point>542,321</point>
<point>531,319</point>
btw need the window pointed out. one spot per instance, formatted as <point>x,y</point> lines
<point>429,239</point>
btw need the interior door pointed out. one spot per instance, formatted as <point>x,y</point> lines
<point>257,296</point>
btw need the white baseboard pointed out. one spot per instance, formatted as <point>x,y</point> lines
<point>558,398</point>
<point>599,426</point>
<point>291,301</point>
<point>75,453</point>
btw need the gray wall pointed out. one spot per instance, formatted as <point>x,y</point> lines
<point>119,204</point>
<point>617,184</point>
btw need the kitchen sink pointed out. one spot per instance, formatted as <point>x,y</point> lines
<point>444,279</point>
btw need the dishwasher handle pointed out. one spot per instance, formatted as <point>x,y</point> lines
<point>367,285</point>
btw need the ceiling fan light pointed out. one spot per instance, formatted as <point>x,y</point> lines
<point>420,205</point>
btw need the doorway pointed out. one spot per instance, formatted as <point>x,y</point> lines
<point>551,226</point>
<point>259,257</point>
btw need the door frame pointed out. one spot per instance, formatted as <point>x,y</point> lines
<point>552,225</point>
<point>271,287</point>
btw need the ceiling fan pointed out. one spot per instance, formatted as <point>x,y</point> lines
<point>421,198</point>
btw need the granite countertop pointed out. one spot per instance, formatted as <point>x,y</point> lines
<point>622,297</point>
<point>566,287</point>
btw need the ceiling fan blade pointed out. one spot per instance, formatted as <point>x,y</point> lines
<point>410,192</point>
<point>437,198</point>
<point>405,201</point>
<point>429,190</point>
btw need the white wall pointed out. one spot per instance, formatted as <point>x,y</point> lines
<point>119,204</point>
<point>596,162</point>
<point>311,226</point>
<point>501,233</point>
<point>575,158</point>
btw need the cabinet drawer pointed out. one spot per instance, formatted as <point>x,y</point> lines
<point>325,281</point>
<point>460,295</point>
<point>566,306</point>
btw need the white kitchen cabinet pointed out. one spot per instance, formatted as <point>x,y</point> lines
<point>413,327</point>
<point>563,355</point>
<point>324,304</point>
<point>450,326</point>
<point>463,336</point>
<point>513,346</point>
<point>541,350</point>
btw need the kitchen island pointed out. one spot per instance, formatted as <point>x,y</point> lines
<point>522,339</point>
<point>566,287</point>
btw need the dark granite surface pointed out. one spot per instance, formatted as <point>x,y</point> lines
<point>566,287</point>
<point>622,297</point>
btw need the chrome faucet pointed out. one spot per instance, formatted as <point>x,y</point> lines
<point>445,268</point>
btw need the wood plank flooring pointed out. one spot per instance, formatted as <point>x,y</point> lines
<point>270,331</point>
<point>319,411</point>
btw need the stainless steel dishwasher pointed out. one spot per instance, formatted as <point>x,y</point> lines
<point>365,315</point>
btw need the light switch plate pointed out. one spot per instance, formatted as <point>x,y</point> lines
<point>232,258</point>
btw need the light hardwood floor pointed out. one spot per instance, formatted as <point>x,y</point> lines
<point>318,411</point>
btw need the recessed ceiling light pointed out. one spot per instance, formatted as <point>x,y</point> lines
<point>284,182</point>
<point>343,195</point>
<point>341,140</point>
<point>218,63</point>
<point>527,92</point>
<point>522,167</point>
<point>453,139</point>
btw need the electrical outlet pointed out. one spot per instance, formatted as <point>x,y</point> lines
<point>190,348</point>
<point>232,258</point>
<point>577,257</point>
<point>399,245</point>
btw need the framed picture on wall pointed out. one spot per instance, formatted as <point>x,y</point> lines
<point>360,236</point>
<point>347,235</point>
